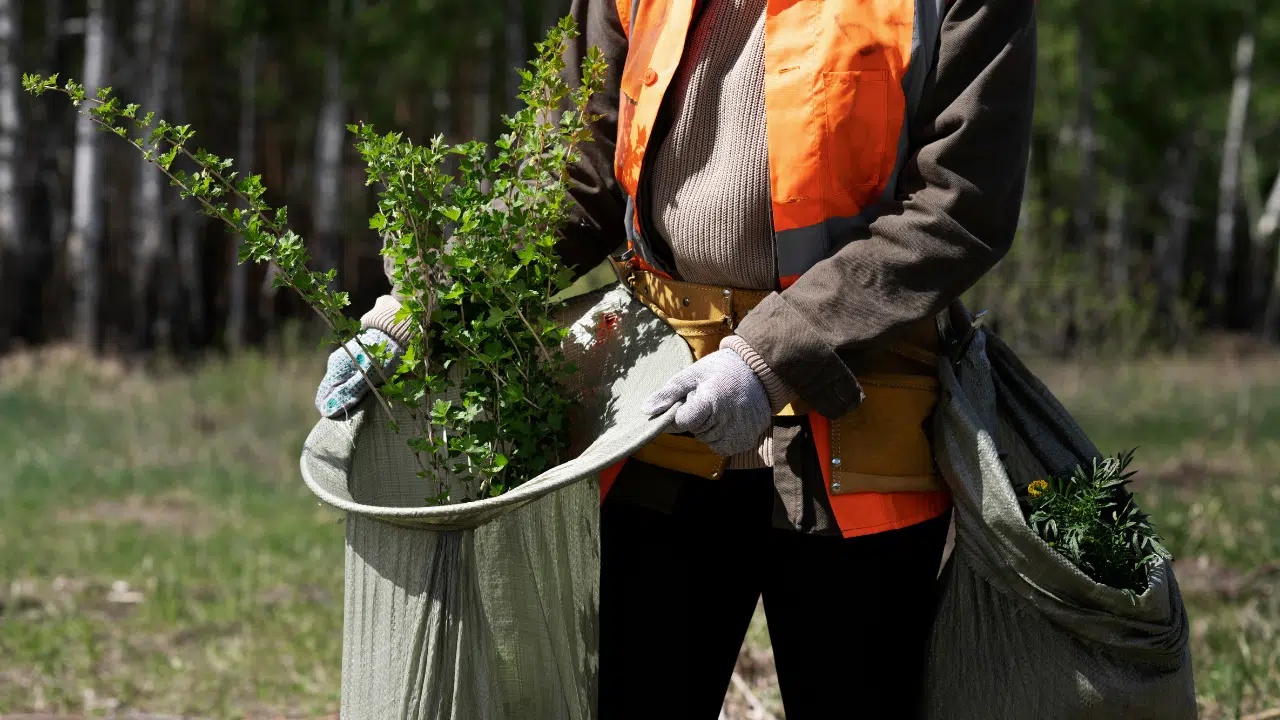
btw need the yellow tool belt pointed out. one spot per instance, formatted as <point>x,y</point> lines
<point>883,446</point>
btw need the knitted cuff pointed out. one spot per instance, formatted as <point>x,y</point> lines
<point>780,394</point>
<point>383,317</point>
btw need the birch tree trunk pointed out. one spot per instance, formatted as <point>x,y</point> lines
<point>1271,315</point>
<point>1171,245</point>
<point>247,140</point>
<point>155,42</point>
<point>11,130</point>
<point>191,224</point>
<point>1267,225</point>
<point>84,242</point>
<point>1259,265</point>
<point>1270,219</point>
<point>1115,243</point>
<point>1086,135</point>
<point>329,144</point>
<point>12,238</point>
<point>53,184</point>
<point>1229,180</point>
<point>147,226</point>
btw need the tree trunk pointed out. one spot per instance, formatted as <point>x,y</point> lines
<point>515,53</point>
<point>1270,218</point>
<point>11,129</point>
<point>1086,135</point>
<point>480,95</point>
<point>11,195</point>
<point>190,227</point>
<point>329,145</point>
<point>156,46</point>
<point>84,242</point>
<point>247,132</point>
<point>1229,179</point>
<point>1115,244</point>
<point>442,108</point>
<point>1266,228</point>
<point>1171,245</point>
<point>1271,316</point>
<point>1251,194</point>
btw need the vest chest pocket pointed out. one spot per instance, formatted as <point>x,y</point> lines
<point>856,131</point>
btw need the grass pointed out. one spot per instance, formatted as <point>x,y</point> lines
<point>158,552</point>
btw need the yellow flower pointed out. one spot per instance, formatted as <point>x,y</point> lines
<point>1038,488</point>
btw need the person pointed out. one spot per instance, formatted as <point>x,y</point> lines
<point>802,186</point>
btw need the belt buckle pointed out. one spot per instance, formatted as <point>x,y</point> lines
<point>627,278</point>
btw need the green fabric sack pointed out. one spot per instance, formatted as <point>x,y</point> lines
<point>1021,632</point>
<point>488,609</point>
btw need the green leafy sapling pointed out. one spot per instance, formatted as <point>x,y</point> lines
<point>1091,518</point>
<point>473,262</point>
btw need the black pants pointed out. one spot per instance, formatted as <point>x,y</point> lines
<point>848,618</point>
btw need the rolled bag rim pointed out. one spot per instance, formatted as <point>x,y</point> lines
<point>472,514</point>
<point>325,470</point>
<point>1152,627</point>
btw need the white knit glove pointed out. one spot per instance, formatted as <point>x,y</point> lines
<point>725,404</point>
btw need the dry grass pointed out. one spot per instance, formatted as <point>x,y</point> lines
<point>159,555</point>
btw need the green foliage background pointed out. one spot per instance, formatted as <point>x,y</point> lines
<point>1149,82</point>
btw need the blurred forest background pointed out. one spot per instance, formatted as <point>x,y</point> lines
<point>158,552</point>
<point>97,249</point>
<point>1151,212</point>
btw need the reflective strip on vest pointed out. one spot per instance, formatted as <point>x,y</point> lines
<point>843,78</point>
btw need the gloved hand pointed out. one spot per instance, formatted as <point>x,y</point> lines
<point>343,385</point>
<point>725,404</point>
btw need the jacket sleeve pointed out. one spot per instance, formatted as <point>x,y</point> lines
<point>596,216</point>
<point>959,196</point>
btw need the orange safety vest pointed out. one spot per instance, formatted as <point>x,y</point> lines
<point>842,81</point>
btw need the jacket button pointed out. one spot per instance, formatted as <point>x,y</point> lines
<point>650,76</point>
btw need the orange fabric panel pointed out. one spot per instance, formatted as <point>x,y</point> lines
<point>835,104</point>
<point>653,54</point>
<point>870,512</point>
<point>608,476</point>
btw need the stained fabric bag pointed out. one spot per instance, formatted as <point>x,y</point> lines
<point>1021,632</point>
<point>488,609</point>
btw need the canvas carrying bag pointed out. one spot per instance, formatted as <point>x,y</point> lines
<point>1020,631</point>
<point>488,609</point>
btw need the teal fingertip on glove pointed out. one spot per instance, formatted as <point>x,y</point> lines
<point>344,386</point>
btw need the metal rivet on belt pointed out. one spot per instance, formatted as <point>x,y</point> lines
<point>727,292</point>
<point>715,475</point>
<point>835,462</point>
<point>685,302</point>
<point>835,486</point>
